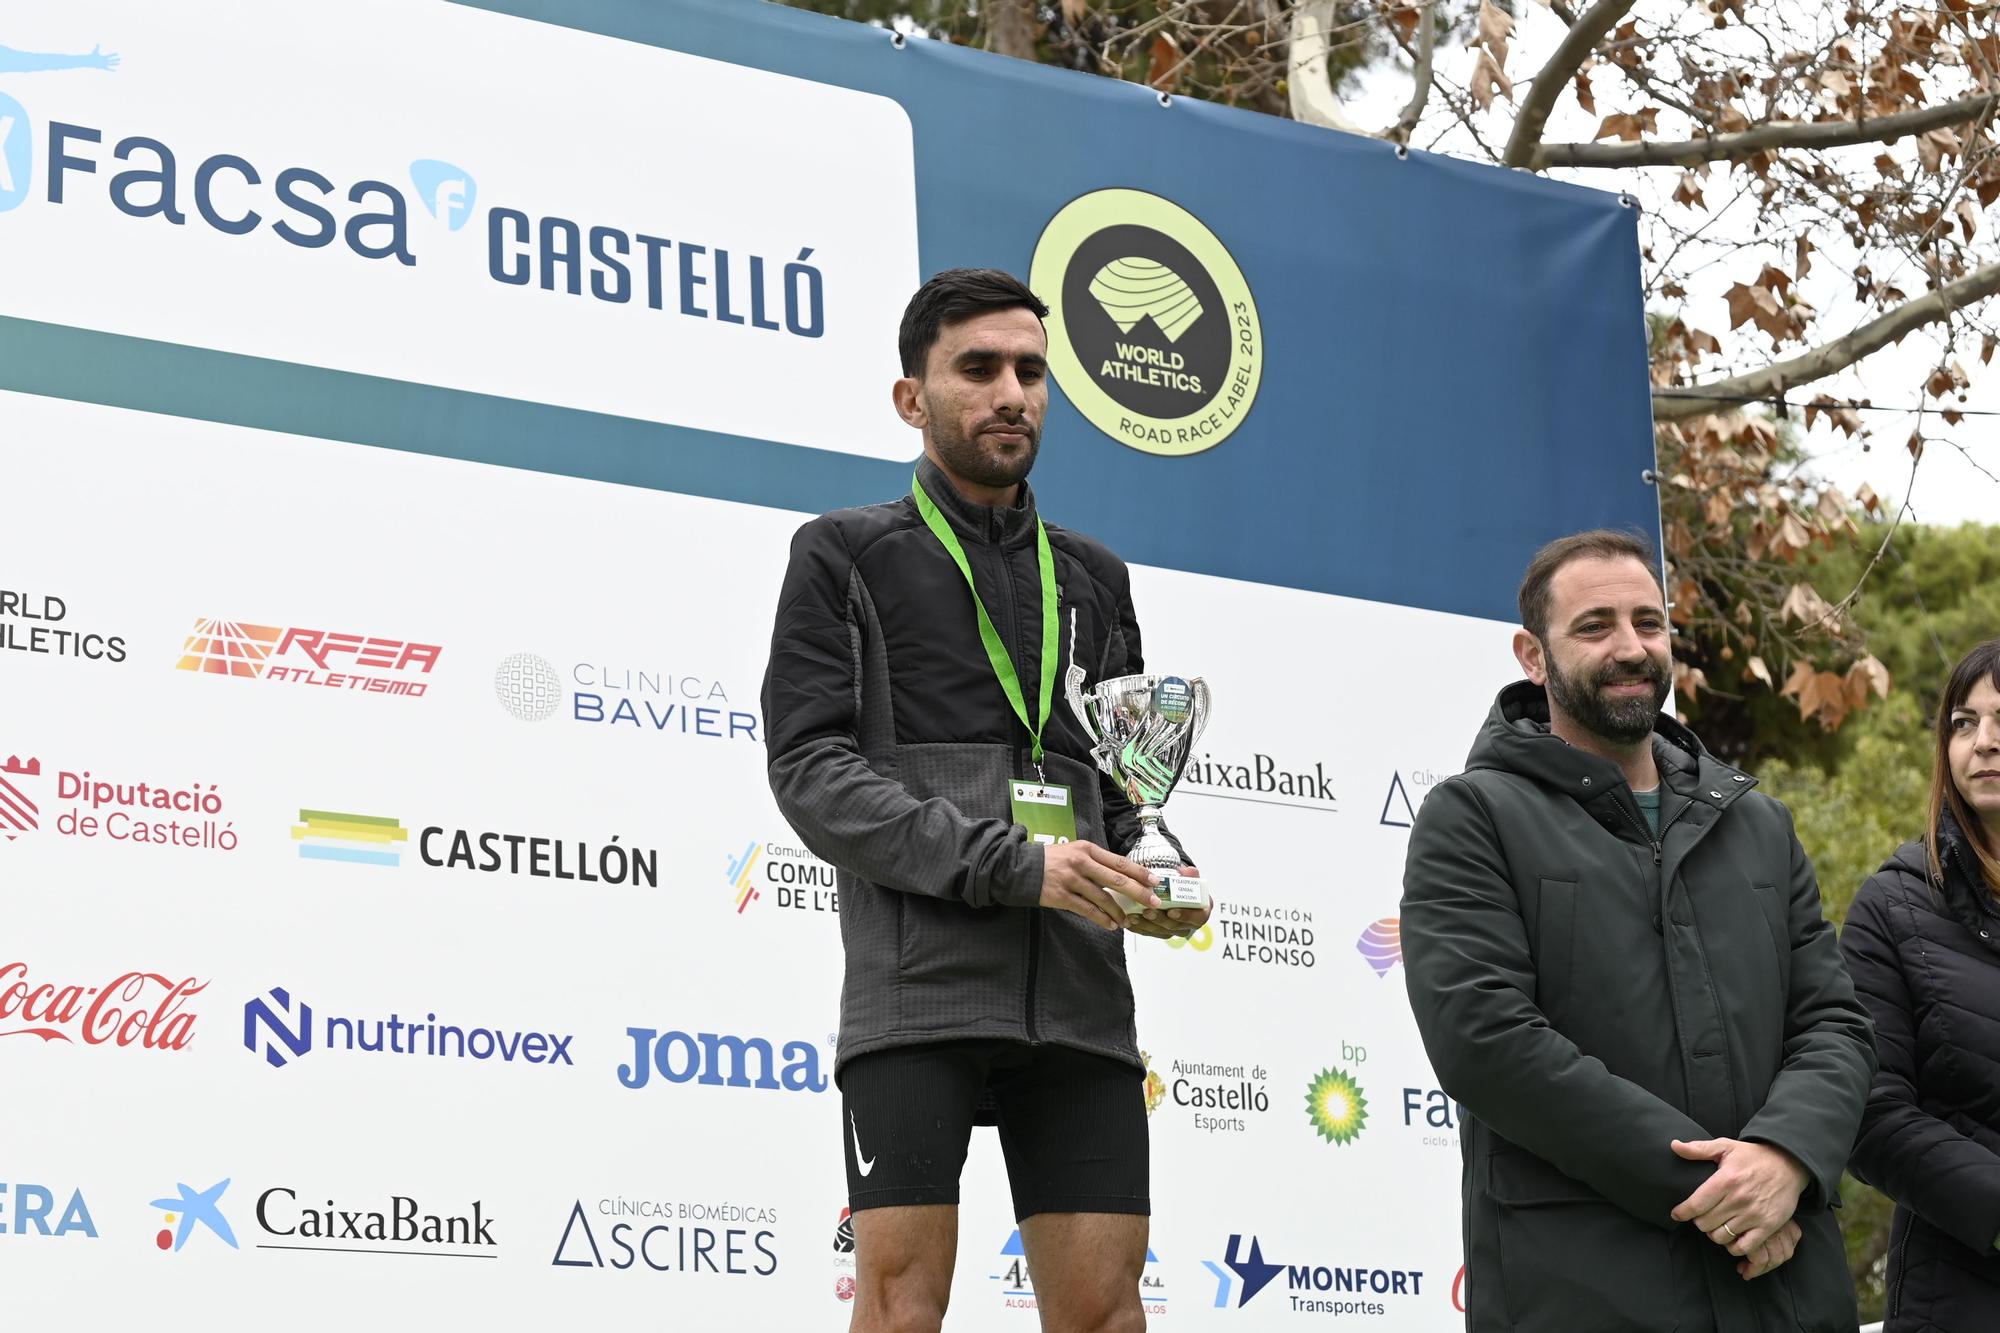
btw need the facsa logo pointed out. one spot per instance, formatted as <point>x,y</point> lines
<point>448,192</point>
<point>17,153</point>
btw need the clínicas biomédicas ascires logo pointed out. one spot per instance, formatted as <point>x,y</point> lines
<point>1153,332</point>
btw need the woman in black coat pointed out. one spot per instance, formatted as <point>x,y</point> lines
<point>1923,943</point>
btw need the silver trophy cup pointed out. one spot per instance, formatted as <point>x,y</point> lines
<point>1143,729</point>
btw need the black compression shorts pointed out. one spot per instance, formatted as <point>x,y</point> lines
<point>1072,1125</point>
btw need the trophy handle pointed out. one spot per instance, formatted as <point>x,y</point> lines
<point>1073,690</point>
<point>1197,710</point>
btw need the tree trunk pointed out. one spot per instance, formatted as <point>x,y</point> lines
<point>1010,27</point>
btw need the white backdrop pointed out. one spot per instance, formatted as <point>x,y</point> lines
<point>145,527</point>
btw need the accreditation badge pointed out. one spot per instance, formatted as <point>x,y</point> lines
<point>1044,809</point>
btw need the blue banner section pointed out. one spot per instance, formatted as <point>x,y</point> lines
<point>1282,354</point>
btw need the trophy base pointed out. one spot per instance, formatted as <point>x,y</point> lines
<point>1173,890</point>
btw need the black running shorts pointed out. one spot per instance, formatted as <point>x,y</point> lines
<point>1072,1125</point>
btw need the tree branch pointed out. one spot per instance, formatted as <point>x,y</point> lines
<point>1426,46</point>
<point>1010,28</point>
<point>1524,143</point>
<point>1311,85</point>
<point>1677,404</point>
<point>1812,134</point>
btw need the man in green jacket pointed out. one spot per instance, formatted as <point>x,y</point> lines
<point>1616,957</point>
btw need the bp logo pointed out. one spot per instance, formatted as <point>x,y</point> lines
<point>1153,332</point>
<point>1336,1107</point>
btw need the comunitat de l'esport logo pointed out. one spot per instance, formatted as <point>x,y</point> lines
<point>1311,1288</point>
<point>649,700</point>
<point>133,172</point>
<point>1153,332</point>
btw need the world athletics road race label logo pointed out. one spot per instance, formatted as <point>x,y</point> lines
<point>1153,333</point>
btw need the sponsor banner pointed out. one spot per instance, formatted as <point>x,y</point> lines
<point>466,206</point>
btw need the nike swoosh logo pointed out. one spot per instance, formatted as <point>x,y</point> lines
<point>866,1164</point>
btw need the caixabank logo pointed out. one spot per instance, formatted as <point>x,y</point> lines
<point>1153,331</point>
<point>398,1225</point>
<point>1320,1289</point>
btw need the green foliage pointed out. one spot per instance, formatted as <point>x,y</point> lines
<point>1859,793</point>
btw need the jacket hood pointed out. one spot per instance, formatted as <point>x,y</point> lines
<point>1516,739</point>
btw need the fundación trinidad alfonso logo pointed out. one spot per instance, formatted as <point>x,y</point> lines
<point>1153,332</point>
<point>1336,1107</point>
<point>189,1207</point>
<point>331,835</point>
<point>1381,944</point>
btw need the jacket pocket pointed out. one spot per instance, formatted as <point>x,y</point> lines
<point>1570,1260</point>
<point>1772,906</point>
<point>1555,943</point>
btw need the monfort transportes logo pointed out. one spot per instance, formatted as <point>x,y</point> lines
<point>1153,332</point>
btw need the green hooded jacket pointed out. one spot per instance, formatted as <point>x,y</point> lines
<point>1589,993</point>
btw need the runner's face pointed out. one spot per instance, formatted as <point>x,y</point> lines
<point>984,392</point>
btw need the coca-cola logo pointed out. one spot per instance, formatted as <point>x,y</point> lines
<point>135,1008</point>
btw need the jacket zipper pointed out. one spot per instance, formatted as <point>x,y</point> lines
<point>1644,833</point>
<point>1897,1271</point>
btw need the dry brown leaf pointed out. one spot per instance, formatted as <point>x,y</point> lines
<point>1986,344</point>
<point>1804,604</point>
<point>1867,499</point>
<point>1074,10</point>
<point>1968,216</point>
<point>1628,127</point>
<point>1583,96</point>
<point>1871,669</point>
<point>1754,667</point>
<point>1487,79</point>
<point>1164,70</point>
<point>1803,263</point>
<point>1495,24</point>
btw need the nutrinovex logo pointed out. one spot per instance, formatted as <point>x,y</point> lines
<point>1153,332</point>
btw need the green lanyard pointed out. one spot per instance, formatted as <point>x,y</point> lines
<point>996,651</point>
